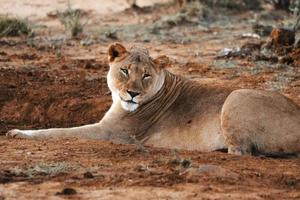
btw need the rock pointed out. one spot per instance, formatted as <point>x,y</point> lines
<point>88,175</point>
<point>67,191</point>
<point>250,35</point>
<point>6,177</point>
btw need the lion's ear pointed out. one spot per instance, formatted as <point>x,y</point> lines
<point>116,50</point>
<point>162,61</point>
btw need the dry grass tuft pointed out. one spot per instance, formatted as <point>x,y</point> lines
<point>71,19</point>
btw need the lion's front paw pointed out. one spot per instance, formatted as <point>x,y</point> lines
<point>16,133</point>
<point>238,150</point>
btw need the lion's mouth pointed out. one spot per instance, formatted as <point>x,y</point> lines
<point>128,101</point>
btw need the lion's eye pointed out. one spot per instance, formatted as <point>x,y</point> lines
<point>146,76</point>
<point>124,71</point>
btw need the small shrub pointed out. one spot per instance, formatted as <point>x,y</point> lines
<point>46,169</point>
<point>233,4</point>
<point>190,14</point>
<point>51,169</point>
<point>282,4</point>
<point>295,8</point>
<point>139,144</point>
<point>287,5</point>
<point>178,161</point>
<point>71,19</point>
<point>12,26</point>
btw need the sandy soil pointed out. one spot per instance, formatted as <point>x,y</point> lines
<point>39,9</point>
<point>54,81</point>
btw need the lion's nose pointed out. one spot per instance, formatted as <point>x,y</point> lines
<point>132,94</point>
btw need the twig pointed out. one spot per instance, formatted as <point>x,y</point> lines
<point>138,143</point>
<point>297,22</point>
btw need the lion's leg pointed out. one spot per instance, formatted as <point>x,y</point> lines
<point>239,149</point>
<point>266,122</point>
<point>93,131</point>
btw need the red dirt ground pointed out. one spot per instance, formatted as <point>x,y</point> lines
<point>42,88</point>
<point>127,172</point>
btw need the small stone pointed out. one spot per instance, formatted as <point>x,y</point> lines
<point>141,168</point>
<point>186,163</point>
<point>67,191</point>
<point>88,175</point>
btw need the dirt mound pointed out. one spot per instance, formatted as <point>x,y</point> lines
<point>51,92</point>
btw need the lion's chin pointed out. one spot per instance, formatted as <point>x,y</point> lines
<point>128,106</point>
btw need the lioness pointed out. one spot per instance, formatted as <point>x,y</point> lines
<point>158,108</point>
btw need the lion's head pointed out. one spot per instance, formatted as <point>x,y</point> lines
<point>134,77</point>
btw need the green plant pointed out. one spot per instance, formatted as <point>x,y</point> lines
<point>12,26</point>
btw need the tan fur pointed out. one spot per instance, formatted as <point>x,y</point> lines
<point>161,109</point>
